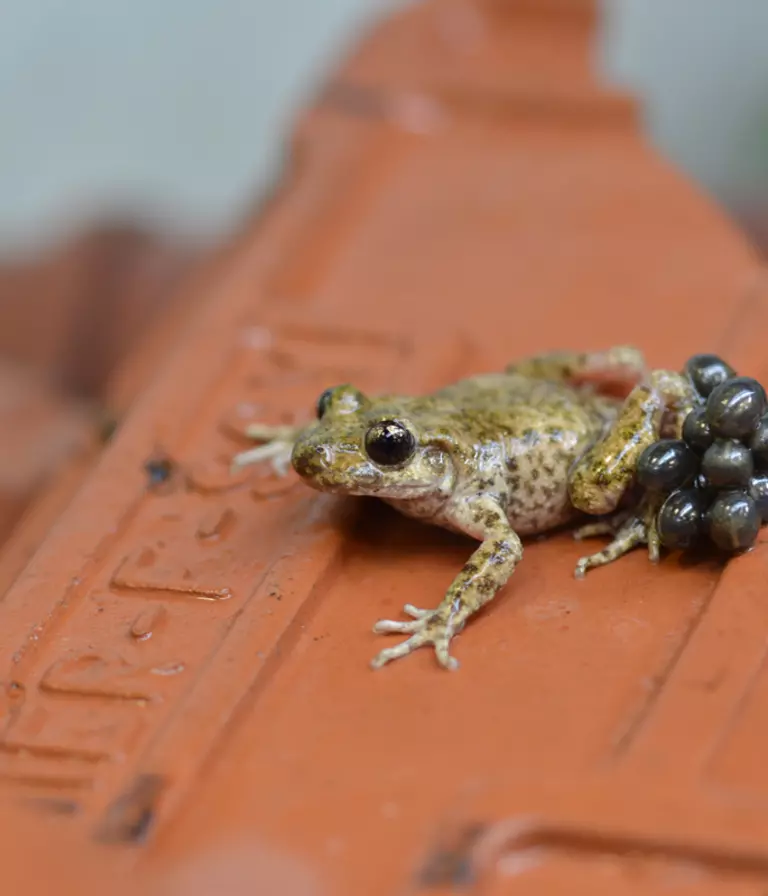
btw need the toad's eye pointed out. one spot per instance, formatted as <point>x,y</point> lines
<point>323,402</point>
<point>389,443</point>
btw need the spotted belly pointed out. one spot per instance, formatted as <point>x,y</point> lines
<point>537,489</point>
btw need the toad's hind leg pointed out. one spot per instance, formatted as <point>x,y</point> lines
<point>606,526</point>
<point>599,481</point>
<point>623,361</point>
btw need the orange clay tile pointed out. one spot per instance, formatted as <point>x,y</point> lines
<point>74,309</point>
<point>31,519</point>
<point>107,293</point>
<point>185,657</point>
<point>40,430</point>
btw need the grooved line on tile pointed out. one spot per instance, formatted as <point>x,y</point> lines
<point>641,717</point>
<point>737,712</point>
<point>216,385</point>
<point>307,604</point>
<point>507,837</point>
<point>52,782</point>
<point>300,610</point>
<point>54,614</point>
<point>52,752</point>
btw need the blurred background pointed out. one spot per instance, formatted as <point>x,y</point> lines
<point>135,137</point>
<point>175,111</point>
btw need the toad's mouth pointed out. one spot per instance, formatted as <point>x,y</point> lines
<point>326,469</point>
<point>364,481</point>
<point>322,469</point>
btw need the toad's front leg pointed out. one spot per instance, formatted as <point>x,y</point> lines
<point>485,572</point>
<point>276,446</point>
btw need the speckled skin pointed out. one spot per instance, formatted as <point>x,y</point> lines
<point>495,457</point>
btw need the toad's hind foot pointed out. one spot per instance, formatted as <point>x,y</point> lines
<point>427,627</point>
<point>639,528</point>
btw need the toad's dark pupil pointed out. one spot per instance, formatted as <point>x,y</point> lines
<point>389,443</point>
<point>323,402</point>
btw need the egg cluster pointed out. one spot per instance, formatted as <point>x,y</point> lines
<point>713,482</point>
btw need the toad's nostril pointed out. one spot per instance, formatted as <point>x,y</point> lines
<point>308,460</point>
<point>322,455</point>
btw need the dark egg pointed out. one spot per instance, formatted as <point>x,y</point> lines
<point>679,520</point>
<point>758,489</point>
<point>758,443</point>
<point>727,464</point>
<point>733,521</point>
<point>708,371</point>
<point>697,432</point>
<point>734,408</point>
<point>666,465</point>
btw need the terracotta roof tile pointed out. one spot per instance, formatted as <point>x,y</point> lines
<point>189,665</point>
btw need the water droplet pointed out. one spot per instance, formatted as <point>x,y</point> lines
<point>147,622</point>
<point>247,410</point>
<point>168,669</point>
<point>257,338</point>
<point>15,690</point>
<point>216,525</point>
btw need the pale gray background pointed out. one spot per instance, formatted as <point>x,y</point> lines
<point>180,106</point>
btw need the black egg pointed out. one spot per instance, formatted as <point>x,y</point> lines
<point>759,443</point>
<point>679,520</point>
<point>708,371</point>
<point>666,465</point>
<point>697,432</point>
<point>734,408</point>
<point>733,521</point>
<point>758,489</point>
<point>727,464</point>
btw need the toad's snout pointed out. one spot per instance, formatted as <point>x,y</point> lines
<point>333,468</point>
<point>311,461</point>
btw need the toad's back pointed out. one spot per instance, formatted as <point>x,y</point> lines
<point>521,437</point>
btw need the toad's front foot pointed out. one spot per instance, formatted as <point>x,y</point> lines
<point>277,446</point>
<point>435,627</point>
